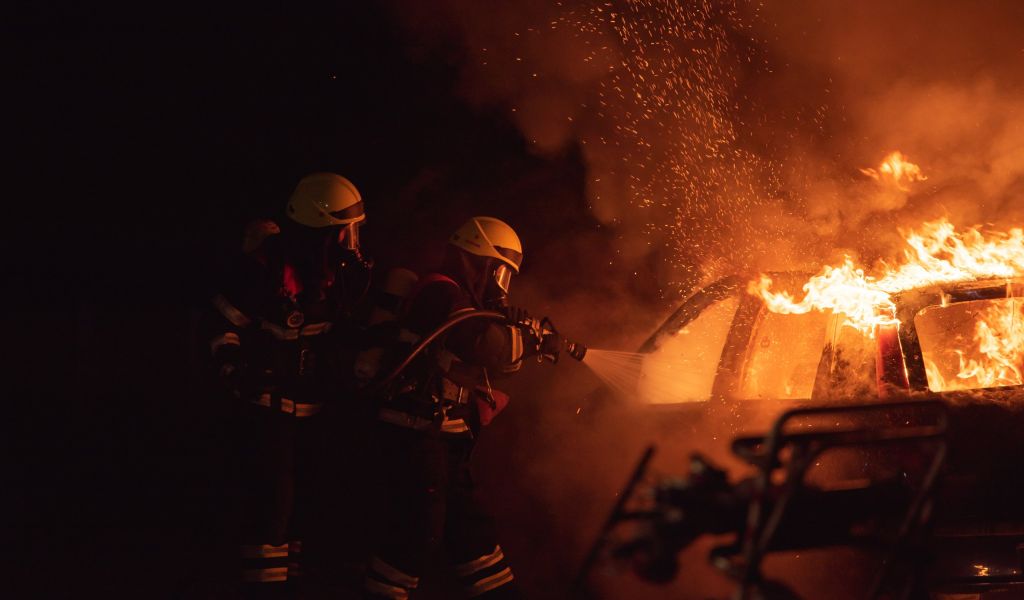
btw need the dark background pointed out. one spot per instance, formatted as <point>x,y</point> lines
<point>144,137</point>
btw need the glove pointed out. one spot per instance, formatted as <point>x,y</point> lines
<point>531,328</point>
<point>551,342</point>
<point>517,315</point>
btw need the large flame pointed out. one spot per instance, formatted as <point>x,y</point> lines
<point>842,289</point>
<point>936,254</point>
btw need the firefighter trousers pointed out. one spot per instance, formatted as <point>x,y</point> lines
<point>277,462</point>
<point>426,497</point>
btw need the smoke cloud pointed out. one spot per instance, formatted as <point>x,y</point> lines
<point>725,136</point>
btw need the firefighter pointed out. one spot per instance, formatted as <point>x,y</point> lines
<point>429,416</point>
<point>277,319</point>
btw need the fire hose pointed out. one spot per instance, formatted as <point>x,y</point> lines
<point>540,329</point>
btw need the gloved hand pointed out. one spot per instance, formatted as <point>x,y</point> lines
<point>531,327</point>
<point>517,315</point>
<point>551,345</point>
<point>551,342</point>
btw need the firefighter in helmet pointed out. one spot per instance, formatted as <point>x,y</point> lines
<point>430,413</point>
<point>275,327</point>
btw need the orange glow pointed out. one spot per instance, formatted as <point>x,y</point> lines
<point>897,171</point>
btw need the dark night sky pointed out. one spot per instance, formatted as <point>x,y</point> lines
<point>155,131</point>
<point>144,137</point>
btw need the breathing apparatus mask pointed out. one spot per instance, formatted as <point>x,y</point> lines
<point>347,250</point>
<point>496,294</point>
<point>329,258</point>
<point>351,270</point>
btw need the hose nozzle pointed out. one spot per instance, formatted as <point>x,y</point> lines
<point>575,350</point>
<point>549,343</point>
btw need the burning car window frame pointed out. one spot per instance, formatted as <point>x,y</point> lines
<point>912,303</point>
<point>735,354</point>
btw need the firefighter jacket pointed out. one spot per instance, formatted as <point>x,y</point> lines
<point>274,342</point>
<point>449,387</point>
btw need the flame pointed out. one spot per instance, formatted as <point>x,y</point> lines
<point>842,289</point>
<point>936,254</point>
<point>999,341</point>
<point>982,570</point>
<point>896,170</point>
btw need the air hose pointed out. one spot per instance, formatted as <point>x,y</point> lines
<point>575,350</point>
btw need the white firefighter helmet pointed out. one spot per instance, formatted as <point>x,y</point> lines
<point>325,200</point>
<point>490,237</point>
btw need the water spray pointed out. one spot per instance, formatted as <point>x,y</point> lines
<point>657,377</point>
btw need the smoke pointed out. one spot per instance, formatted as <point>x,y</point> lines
<point>729,136</point>
<point>941,84</point>
<point>644,93</point>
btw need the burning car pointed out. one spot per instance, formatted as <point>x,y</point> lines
<point>953,338</point>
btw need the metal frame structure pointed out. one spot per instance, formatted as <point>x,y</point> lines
<point>802,449</point>
<point>792,454</point>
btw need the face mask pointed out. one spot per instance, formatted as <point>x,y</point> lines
<point>344,251</point>
<point>348,237</point>
<point>497,288</point>
<point>350,278</point>
<point>503,277</point>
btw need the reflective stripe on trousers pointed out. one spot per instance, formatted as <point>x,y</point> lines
<point>485,573</point>
<point>264,563</point>
<point>387,581</point>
